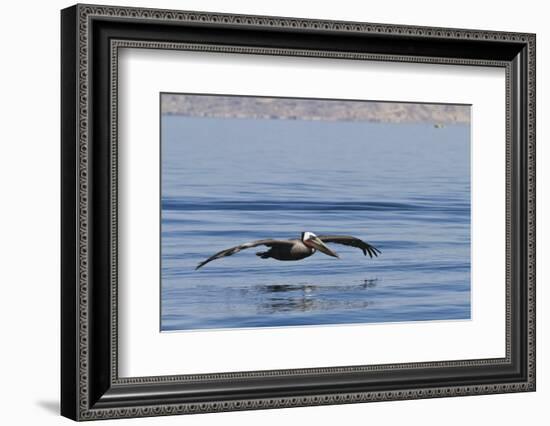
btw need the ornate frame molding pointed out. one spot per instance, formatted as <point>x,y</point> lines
<point>78,24</point>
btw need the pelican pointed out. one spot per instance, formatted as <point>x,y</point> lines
<point>297,249</point>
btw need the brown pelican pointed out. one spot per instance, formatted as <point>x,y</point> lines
<point>297,249</point>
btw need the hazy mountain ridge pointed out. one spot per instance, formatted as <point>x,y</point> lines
<point>312,109</point>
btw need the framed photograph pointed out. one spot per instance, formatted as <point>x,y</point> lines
<point>263,212</point>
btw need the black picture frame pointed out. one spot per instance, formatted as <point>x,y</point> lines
<point>90,386</point>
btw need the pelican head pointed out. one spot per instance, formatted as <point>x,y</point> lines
<point>311,240</point>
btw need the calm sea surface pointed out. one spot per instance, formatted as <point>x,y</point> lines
<point>404,188</point>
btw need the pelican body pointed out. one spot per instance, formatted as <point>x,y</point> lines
<point>297,249</point>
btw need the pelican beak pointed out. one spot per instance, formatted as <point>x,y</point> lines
<point>319,245</point>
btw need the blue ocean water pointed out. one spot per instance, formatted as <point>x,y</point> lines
<point>404,188</point>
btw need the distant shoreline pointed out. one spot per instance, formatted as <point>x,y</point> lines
<point>215,106</point>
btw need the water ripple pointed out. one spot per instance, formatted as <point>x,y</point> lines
<point>179,204</point>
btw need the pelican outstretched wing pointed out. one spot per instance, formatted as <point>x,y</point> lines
<point>348,240</point>
<point>236,249</point>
